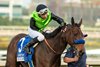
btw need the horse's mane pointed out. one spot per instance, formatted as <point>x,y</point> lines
<point>52,34</point>
<point>57,30</point>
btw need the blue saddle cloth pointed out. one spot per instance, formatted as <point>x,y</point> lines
<point>21,54</point>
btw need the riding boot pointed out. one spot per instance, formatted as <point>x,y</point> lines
<point>30,44</point>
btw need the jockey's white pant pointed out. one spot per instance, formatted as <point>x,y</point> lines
<point>34,33</point>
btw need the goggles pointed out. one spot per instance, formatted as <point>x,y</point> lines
<point>43,11</point>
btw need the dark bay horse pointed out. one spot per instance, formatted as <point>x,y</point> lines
<point>48,52</point>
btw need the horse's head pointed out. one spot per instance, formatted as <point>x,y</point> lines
<point>73,32</point>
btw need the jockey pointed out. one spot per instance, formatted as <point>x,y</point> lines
<point>40,18</point>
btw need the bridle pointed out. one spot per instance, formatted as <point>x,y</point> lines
<point>51,47</point>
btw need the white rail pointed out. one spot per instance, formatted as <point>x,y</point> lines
<point>3,54</point>
<point>90,61</point>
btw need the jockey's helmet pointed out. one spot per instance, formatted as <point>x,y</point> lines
<point>42,9</point>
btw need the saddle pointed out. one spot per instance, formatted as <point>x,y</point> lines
<point>21,54</point>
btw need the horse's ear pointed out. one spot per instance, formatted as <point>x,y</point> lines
<point>80,22</point>
<point>72,21</point>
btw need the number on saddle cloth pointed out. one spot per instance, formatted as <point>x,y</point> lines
<point>21,54</point>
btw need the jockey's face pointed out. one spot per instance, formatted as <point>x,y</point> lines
<point>44,16</point>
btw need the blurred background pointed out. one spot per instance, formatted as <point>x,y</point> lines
<point>15,17</point>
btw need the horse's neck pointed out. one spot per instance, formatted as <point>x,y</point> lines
<point>55,40</point>
<point>52,34</point>
<point>57,43</point>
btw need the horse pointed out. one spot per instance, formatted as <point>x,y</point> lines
<point>48,52</point>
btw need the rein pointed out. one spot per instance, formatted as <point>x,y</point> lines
<point>49,46</point>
